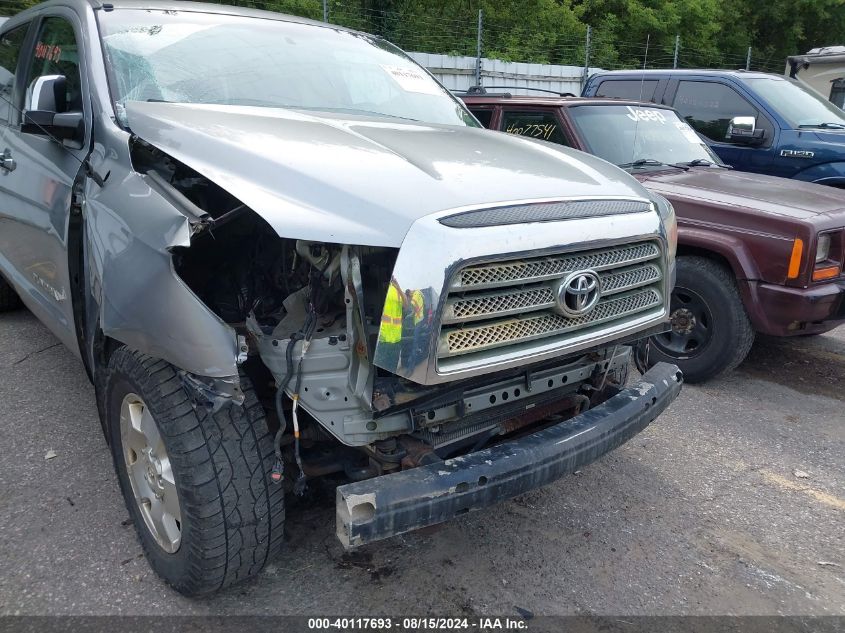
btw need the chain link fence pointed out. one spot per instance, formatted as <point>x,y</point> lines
<point>421,27</point>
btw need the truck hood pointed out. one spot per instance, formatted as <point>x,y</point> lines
<point>364,180</point>
<point>831,137</point>
<point>766,194</point>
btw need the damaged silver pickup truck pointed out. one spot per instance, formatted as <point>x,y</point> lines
<point>285,253</point>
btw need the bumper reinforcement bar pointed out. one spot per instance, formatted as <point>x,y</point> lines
<point>385,506</point>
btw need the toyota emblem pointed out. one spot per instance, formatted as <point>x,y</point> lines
<point>579,293</point>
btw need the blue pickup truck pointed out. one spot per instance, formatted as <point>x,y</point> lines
<point>755,122</point>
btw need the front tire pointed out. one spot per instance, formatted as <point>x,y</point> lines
<point>196,482</point>
<point>8,297</point>
<point>711,333</point>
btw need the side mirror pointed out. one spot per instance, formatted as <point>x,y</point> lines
<point>48,92</point>
<point>743,130</point>
<point>46,111</point>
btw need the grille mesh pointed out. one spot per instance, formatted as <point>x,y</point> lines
<point>500,303</point>
<point>495,334</point>
<point>507,301</point>
<point>495,305</point>
<point>527,270</point>
<point>629,278</point>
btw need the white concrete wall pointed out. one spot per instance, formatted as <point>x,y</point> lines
<point>458,73</point>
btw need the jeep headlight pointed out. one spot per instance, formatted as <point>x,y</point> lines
<point>823,248</point>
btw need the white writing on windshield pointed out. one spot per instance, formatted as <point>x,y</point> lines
<point>642,114</point>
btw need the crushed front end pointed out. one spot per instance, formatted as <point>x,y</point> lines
<point>371,510</point>
<point>428,369</point>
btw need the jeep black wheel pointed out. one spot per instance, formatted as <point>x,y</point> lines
<point>8,298</point>
<point>195,482</point>
<point>711,333</point>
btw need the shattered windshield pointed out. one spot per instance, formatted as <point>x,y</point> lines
<point>640,136</point>
<point>205,58</point>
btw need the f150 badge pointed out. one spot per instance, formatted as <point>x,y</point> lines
<point>796,153</point>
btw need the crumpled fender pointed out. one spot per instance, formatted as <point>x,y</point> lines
<point>140,300</point>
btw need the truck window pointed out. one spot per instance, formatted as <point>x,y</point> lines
<point>837,92</point>
<point>484,115</point>
<point>11,43</point>
<point>533,124</point>
<point>709,107</point>
<point>56,53</point>
<point>628,89</point>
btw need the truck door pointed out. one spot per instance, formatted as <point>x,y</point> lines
<point>12,251</point>
<point>37,193</point>
<point>709,107</point>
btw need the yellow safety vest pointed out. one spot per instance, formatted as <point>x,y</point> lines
<point>391,319</point>
<point>418,303</point>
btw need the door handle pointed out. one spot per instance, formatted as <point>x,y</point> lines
<point>7,163</point>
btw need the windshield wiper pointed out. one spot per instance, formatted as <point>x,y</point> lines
<point>650,162</point>
<point>700,162</point>
<point>824,126</point>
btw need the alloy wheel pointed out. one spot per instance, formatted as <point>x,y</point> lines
<point>150,473</point>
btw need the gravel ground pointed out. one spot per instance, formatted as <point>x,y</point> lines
<point>703,513</point>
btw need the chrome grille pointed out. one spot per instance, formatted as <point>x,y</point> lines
<point>509,303</point>
<point>525,271</point>
<point>498,304</point>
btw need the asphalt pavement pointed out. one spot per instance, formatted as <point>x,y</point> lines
<point>732,502</point>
